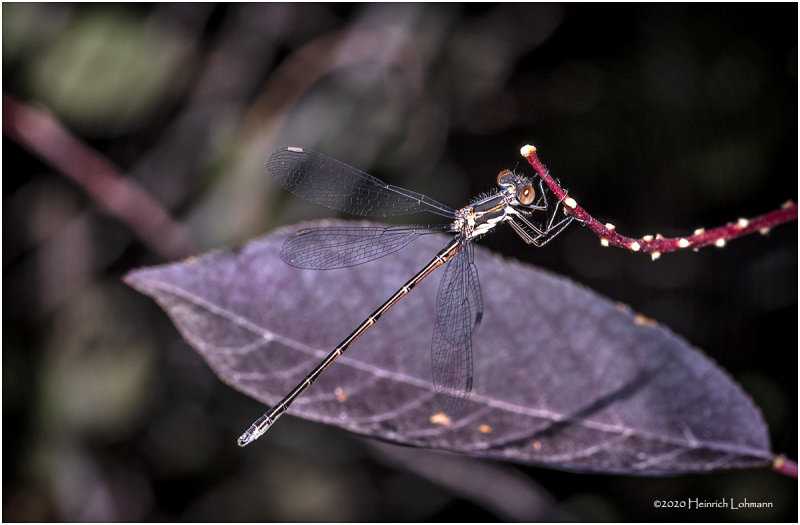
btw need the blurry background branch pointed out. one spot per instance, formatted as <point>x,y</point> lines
<point>122,198</point>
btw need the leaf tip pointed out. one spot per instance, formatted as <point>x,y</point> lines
<point>131,278</point>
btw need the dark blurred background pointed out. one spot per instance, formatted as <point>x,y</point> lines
<point>658,118</point>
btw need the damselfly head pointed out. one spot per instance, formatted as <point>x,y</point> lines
<point>518,186</point>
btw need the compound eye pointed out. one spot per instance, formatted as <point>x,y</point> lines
<point>504,178</point>
<point>526,195</point>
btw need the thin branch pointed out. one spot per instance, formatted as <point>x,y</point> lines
<point>785,466</point>
<point>117,194</point>
<point>655,245</point>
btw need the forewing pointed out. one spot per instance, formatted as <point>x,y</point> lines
<point>332,184</point>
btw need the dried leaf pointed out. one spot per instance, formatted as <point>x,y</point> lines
<point>563,377</point>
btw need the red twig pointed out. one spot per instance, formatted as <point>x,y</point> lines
<point>655,245</point>
<point>120,196</point>
<point>785,466</point>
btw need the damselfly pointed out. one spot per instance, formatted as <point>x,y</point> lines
<point>337,186</point>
